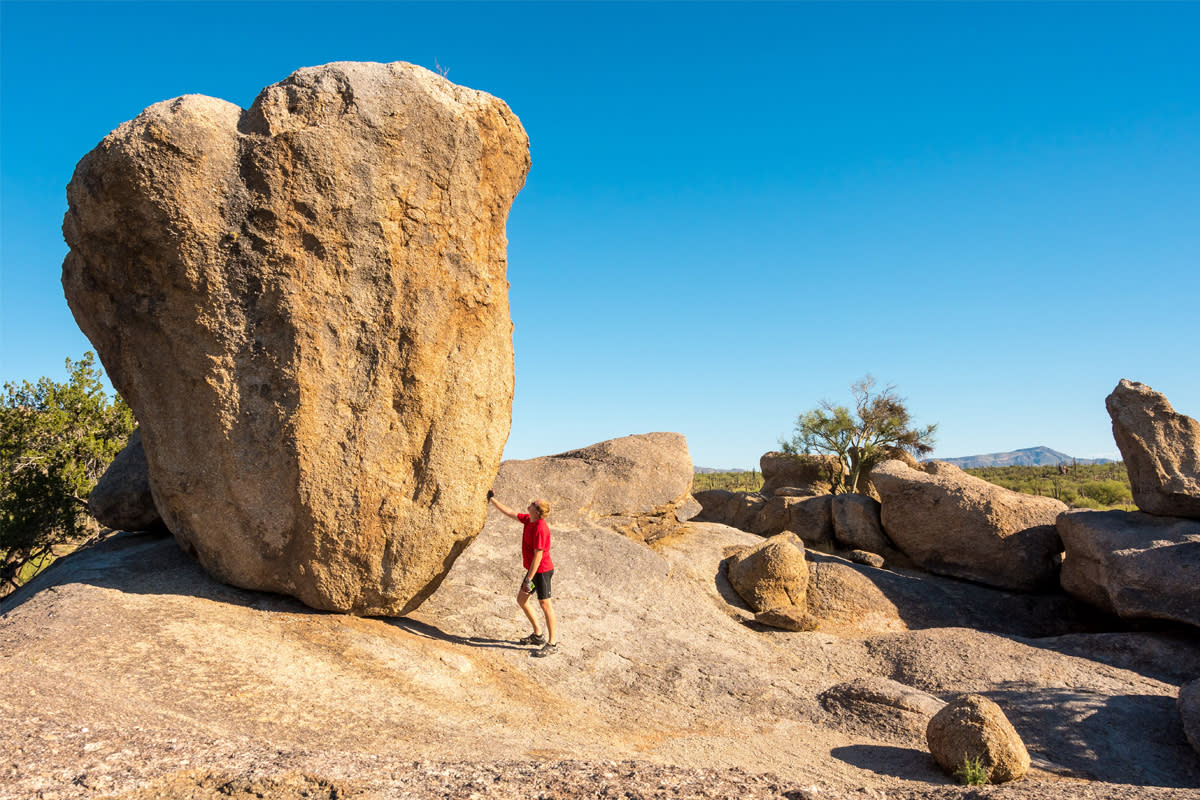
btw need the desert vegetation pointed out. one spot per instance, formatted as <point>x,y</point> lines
<point>56,440</point>
<point>878,426</point>
<point>1095,486</point>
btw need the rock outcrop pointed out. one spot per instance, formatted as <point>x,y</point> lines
<point>809,517</point>
<point>955,524</point>
<point>1161,449</point>
<point>1133,564</point>
<point>305,304</point>
<point>880,705</point>
<point>637,485</point>
<point>122,499</point>
<point>771,575</point>
<point>975,728</point>
<point>808,474</point>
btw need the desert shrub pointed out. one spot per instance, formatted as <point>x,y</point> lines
<point>972,772</point>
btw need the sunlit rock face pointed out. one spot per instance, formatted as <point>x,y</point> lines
<point>305,304</point>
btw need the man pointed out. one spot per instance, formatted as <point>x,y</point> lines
<point>539,570</point>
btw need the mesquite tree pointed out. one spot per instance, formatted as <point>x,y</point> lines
<point>874,430</point>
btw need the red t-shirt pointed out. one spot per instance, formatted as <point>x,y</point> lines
<point>535,537</point>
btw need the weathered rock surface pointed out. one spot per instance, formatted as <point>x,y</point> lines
<point>974,727</point>
<point>809,517</point>
<point>173,676</point>
<point>1161,450</point>
<point>122,499</point>
<point>771,575</point>
<point>857,523</point>
<point>637,485</point>
<point>787,618</point>
<point>1133,564</point>
<point>735,509</point>
<point>305,304</point>
<point>955,524</point>
<point>811,474</point>
<point>881,706</point>
<point>850,600</point>
<point>1189,710</point>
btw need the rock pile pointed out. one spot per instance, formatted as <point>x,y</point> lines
<point>305,304</point>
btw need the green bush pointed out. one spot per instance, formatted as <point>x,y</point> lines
<point>56,440</point>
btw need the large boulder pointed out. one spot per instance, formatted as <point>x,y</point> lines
<point>809,474</point>
<point>305,304</point>
<point>122,499</point>
<point>1161,449</point>
<point>1133,564</point>
<point>955,524</point>
<point>974,728</point>
<point>772,574</point>
<point>637,485</point>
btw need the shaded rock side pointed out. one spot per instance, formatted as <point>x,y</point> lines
<point>955,524</point>
<point>638,485</point>
<point>771,575</point>
<point>811,474</point>
<point>1133,564</point>
<point>858,524</point>
<point>305,304</point>
<point>1161,450</point>
<point>1189,710</point>
<point>973,727</point>
<point>122,498</point>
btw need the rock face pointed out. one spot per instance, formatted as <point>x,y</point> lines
<point>973,727</point>
<point>122,499</point>
<point>812,474</point>
<point>771,575</point>
<point>637,485</point>
<point>1133,564</point>
<point>955,524</point>
<point>1189,709</point>
<point>857,524</point>
<point>305,304</point>
<point>1161,449</point>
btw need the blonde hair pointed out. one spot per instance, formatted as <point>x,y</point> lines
<point>543,508</point>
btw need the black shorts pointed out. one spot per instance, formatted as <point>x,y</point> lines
<point>541,583</point>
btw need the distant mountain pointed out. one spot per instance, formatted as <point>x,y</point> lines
<point>1029,457</point>
<point>709,470</point>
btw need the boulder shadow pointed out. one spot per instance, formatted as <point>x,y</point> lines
<point>906,763</point>
<point>146,563</point>
<point>1126,739</point>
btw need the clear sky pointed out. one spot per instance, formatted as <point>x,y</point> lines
<point>735,210</point>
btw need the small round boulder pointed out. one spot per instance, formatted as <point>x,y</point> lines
<point>973,728</point>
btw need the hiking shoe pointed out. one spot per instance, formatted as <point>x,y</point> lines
<point>547,650</point>
<point>533,638</point>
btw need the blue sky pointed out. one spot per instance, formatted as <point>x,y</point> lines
<point>734,210</point>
